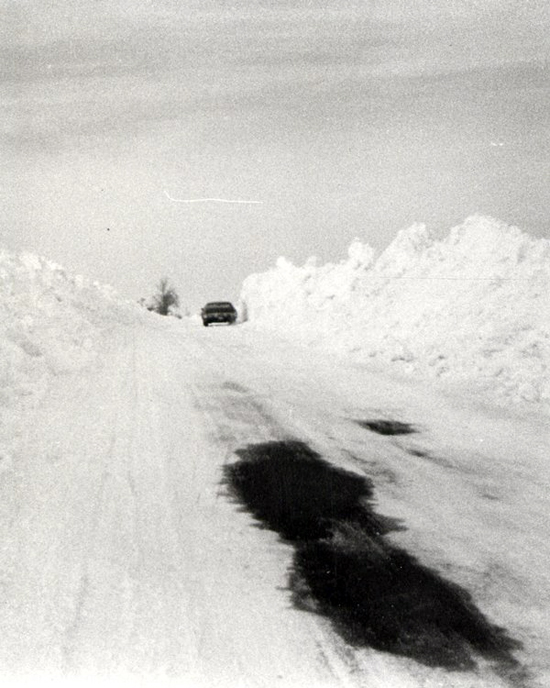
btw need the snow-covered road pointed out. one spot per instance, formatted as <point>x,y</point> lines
<point>124,555</point>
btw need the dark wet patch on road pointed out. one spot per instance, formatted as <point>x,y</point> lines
<point>374,593</point>
<point>387,427</point>
<point>421,453</point>
<point>424,454</point>
<point>234,387</point>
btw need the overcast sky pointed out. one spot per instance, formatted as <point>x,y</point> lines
<point>340,119</point>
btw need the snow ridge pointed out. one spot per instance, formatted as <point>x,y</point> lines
<point>50,323</point>
<point>472,308</point>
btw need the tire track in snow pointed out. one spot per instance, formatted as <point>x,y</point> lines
<point>115,476</point>
<point>71,631</point>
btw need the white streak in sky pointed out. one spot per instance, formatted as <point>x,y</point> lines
<point>210,200</point>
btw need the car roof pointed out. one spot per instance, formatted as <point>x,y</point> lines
<point>214,304</point>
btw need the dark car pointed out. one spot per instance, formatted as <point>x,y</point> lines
<point>218,312</point>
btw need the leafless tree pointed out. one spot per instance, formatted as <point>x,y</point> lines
<point>166,298</point>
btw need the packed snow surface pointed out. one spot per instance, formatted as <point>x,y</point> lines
<point>472,308</point>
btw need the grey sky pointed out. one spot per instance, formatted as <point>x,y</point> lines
<point>344,122</point>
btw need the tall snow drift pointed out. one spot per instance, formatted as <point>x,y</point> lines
<point>49,323</point>
<point>474,307</point>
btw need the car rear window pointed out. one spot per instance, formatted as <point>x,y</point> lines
<point>227,307</point>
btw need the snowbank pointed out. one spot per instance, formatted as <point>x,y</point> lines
<point>474,307</point>
<point>50,323</point>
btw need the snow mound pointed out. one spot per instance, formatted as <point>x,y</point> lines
<point>50,323</point>
<point>471,308</point>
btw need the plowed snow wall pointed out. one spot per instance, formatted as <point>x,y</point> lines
<point>472,307</point>
<point>50,323</point>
